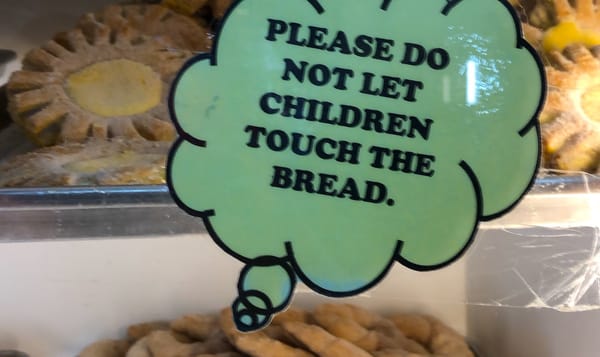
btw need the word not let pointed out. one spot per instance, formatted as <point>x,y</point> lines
<point>384,86</point>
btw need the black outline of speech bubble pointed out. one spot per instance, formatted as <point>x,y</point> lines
<point>396,254</point>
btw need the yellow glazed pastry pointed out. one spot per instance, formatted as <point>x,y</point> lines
<point>571,117</point>
<point>112,88</point>
<point>566,34</point>
<point>95,81</point>
<point>564,22</point>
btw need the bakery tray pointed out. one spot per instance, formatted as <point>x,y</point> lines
<point>31,214</point>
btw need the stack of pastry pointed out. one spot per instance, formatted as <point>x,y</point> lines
<point>103,82</point>
<point>331,330</point>
<point>567,35</point>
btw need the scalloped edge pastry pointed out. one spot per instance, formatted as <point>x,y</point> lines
<point>39,97</point>
<point>570,119</point>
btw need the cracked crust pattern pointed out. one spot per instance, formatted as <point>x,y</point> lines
<point>39,100</point>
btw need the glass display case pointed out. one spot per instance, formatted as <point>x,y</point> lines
<point>80,263</point>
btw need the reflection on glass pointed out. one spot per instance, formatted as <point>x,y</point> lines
<point>472,82</point>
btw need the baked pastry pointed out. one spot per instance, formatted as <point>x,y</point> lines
<point>95,81</point>
<point>97,162</point>
<point>563,22</point>
<point>105,348</point>
<point>208,11</point>
<point>566,34</point>
<point>186,7</point>
<point>219,7</point>
<point>331,330</point>
<point>177,31</point>
<point>571,117</point>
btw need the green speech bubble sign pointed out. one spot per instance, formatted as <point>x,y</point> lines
<point>327,140</point>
